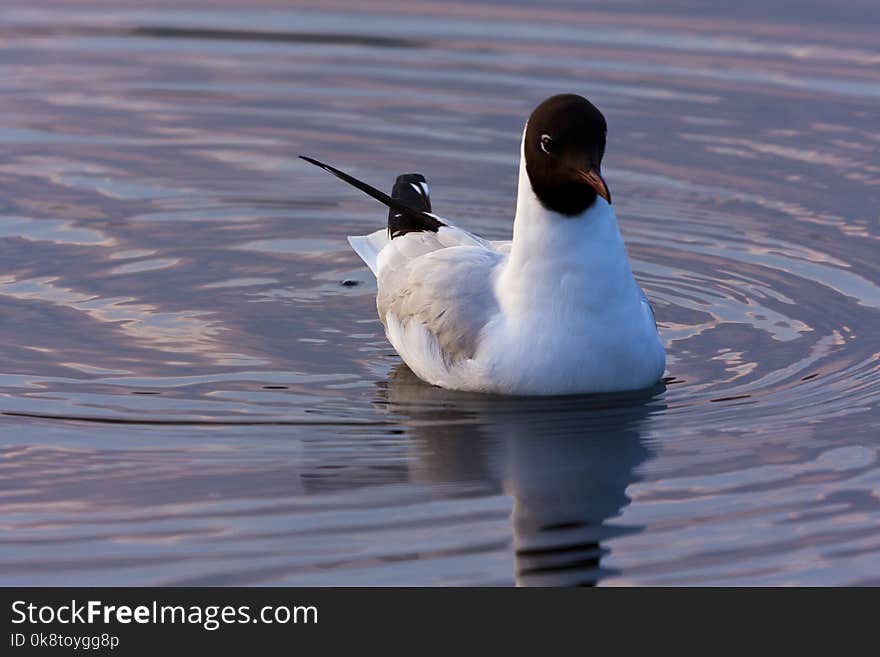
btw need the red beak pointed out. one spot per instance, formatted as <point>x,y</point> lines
<point>594,179</point>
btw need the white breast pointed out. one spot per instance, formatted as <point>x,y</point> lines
<point>571,317</point>
<point>556,312</point>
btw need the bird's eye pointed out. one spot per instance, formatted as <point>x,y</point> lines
<point>547,144</point>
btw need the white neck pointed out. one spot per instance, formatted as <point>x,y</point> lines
<point>555,254</point>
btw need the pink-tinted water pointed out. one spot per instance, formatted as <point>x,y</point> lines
<point>190,396</point>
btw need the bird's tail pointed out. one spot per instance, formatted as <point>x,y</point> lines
<point>368,247</point>
<point>409,211</point>
<point>409,188</point>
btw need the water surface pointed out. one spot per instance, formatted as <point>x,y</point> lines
<point>190,395</point>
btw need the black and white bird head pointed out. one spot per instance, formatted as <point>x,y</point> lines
<point>563,149</point>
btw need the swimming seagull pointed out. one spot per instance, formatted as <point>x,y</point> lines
<point>554,311</point>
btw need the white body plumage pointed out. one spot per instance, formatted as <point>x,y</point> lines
<point>555,311</point>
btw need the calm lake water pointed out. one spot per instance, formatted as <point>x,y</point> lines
<point>189,395</point>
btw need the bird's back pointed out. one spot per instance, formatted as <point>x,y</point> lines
<point>434,283</point>
<point>557,311</point>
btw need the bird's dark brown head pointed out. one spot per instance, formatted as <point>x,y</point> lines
<point>563,148</point>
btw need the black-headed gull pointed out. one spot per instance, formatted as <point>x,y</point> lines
<point>554,311</point>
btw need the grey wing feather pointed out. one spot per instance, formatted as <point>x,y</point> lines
<point>449,291</point>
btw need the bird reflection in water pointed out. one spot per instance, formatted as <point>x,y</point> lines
<point>565,461</point>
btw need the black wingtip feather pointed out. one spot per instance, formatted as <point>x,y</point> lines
<point>411,189</point>
<point>408,219</point>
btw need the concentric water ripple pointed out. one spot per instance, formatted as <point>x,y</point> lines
<point>191,395</point>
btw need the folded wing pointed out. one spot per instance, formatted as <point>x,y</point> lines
<point>448,292</point>
<point>435,291</point>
